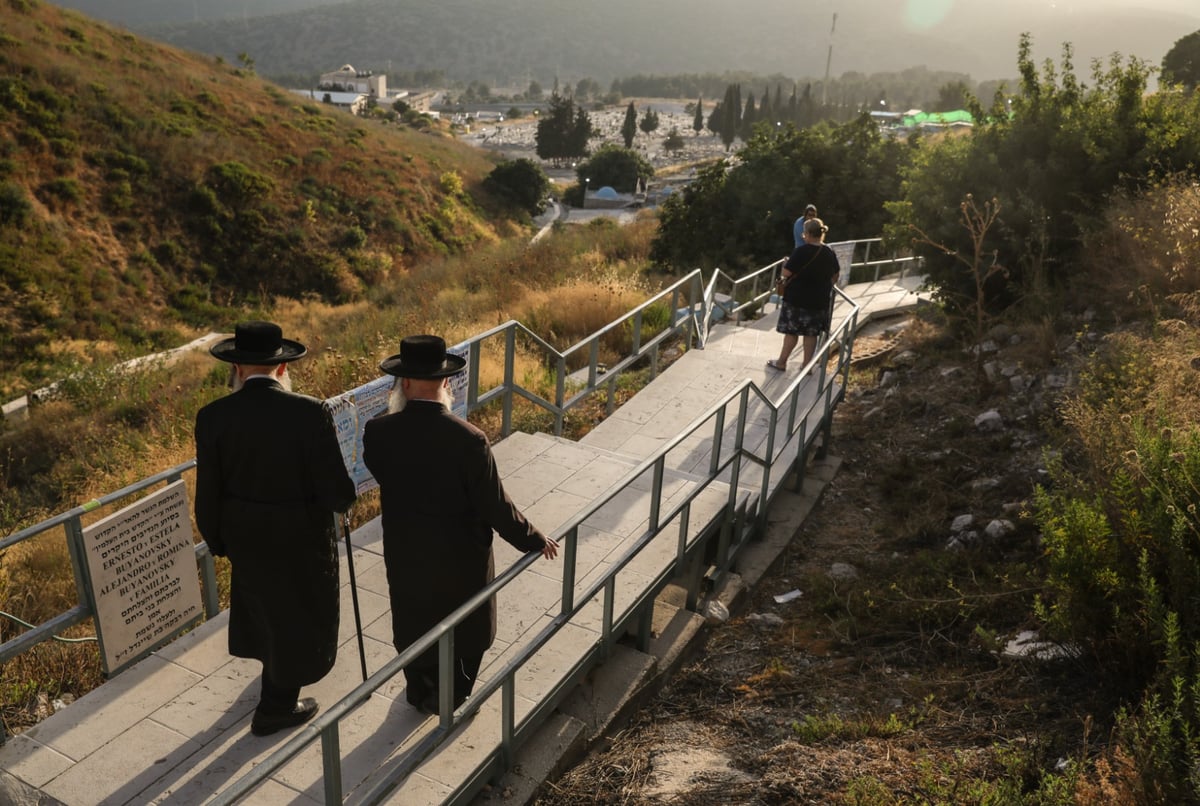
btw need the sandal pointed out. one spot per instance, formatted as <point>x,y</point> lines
<point>771,363</point>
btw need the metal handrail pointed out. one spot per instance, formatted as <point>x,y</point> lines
<point>758,286</point>
<point>690,327</point>
<point>795,424</point>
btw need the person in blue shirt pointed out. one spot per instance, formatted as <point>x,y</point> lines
<point>810,212</point>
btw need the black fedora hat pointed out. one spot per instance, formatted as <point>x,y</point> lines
<point>258,343</point>
<point>423,357</point>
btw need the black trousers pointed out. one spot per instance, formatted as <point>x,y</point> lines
<point>276,699</point>
<point>422,679</point>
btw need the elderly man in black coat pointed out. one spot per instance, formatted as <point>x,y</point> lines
<point>269,478</point>
<point>441,498</point>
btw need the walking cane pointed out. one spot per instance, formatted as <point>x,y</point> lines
<point>362,653</point>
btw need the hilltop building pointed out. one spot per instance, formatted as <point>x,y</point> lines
<point>347,79</point>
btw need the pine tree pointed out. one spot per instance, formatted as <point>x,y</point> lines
<point>731,114</point>
<point>698,121</point>
<point>564,131</point>
<point>629,127</point>
<point>749,118</point>
<point>649,121</point>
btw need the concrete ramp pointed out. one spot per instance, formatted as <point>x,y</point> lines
<point>174,729</point>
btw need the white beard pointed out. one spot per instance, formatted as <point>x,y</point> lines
<point>397,400</point>
<point>236,383</point>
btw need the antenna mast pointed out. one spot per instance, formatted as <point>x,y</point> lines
<point>828,61</point>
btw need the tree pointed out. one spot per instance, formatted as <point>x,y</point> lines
<point>739,216</point>
<point>951,96</point>
<point>629,127</point>
<point>563,132</point>
<point>673,142</point>
<point>586,89</point>
<point>619,168</point>
<point>745,129</point>
<point>1181,65</point>
<point>1052,166</point>
<point>649,121</point>
<point>731,115</point>
<point>520,182</point>
<point>534,92</point>
<point>715,117</point>
<point>698,120</point>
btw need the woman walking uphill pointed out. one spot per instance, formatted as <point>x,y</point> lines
<point>809,275</point>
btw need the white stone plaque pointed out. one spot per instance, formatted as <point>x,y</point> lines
<point>351,410</point>
<point>142,565</point>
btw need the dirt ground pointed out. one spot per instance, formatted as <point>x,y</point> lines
<point>885,681</point>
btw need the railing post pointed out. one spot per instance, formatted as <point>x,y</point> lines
<point>656,493</point>
<point>560,395</point>
<point>593,364</point>
<point>475,351</point>
<point>606,622</point>
<point>75,547</point>
<point>208,573</point>
<point>718,434</point>
<point>331,764</point>
<point>510,358</point>
<point>446,672</point>
<point>508,718</point>
<point>570,550</point>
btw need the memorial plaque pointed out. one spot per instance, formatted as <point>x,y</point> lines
<point>351,410</point>
<point>845,255</point>
<point>142,565</point>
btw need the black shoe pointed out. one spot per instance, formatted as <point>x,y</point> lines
<point>266,724</point>
<point>428,705</point>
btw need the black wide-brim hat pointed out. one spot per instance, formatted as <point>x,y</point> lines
<point>423,357</point>
<point>258,343</point>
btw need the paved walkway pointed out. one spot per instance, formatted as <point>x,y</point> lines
<point>174,729</point>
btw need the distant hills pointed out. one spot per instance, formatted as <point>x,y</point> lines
<point>507,43</point>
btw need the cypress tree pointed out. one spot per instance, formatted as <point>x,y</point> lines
<point>629,127</point>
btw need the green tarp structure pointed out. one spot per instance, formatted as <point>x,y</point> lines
<point>936,118</point>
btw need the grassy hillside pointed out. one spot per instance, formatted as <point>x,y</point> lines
<point>147,194</point>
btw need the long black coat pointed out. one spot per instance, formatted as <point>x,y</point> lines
<point>269,476</point>
<point>441,498</point>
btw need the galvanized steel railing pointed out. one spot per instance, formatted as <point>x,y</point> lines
<point>676,312</point>
<point>752,291</point>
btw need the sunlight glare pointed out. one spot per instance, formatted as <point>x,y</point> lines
<point>922,15</point>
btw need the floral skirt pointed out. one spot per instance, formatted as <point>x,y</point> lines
<point>794,321</point>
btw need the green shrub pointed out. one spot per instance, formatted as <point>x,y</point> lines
<point>62,189</point>
<point>15,207</point>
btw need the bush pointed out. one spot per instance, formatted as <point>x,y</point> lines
<point>520,182</point>
<point>15,207</point>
